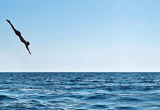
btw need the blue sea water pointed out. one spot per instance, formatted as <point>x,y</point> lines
<point>79,91</point>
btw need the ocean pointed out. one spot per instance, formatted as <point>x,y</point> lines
<point>80,91</point>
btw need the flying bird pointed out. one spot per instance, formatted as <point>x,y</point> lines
<point>26,43</point>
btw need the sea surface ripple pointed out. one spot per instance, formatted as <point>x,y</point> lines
<point>79,91</point>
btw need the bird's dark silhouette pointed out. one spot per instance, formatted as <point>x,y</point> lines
<point>26,43</point>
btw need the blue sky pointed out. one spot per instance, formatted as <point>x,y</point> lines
<point>81,35</point>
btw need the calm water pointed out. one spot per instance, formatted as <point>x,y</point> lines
<point>80,91</point>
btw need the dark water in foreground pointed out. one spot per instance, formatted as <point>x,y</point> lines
<point>80,91</point>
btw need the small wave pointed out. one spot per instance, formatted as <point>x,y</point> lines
<point>129,99</point>
<point>81,109</point>
<point>98,107</point>
<point>75,96</point>
<point>96,97</point>
<point>40,105</point>
<point>3,97</point>
<point>55,101</point>
<point>34,101</point>
<point>125,88</point>
<point>126,108</point>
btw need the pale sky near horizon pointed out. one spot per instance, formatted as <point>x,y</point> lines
<point>81,35</point>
